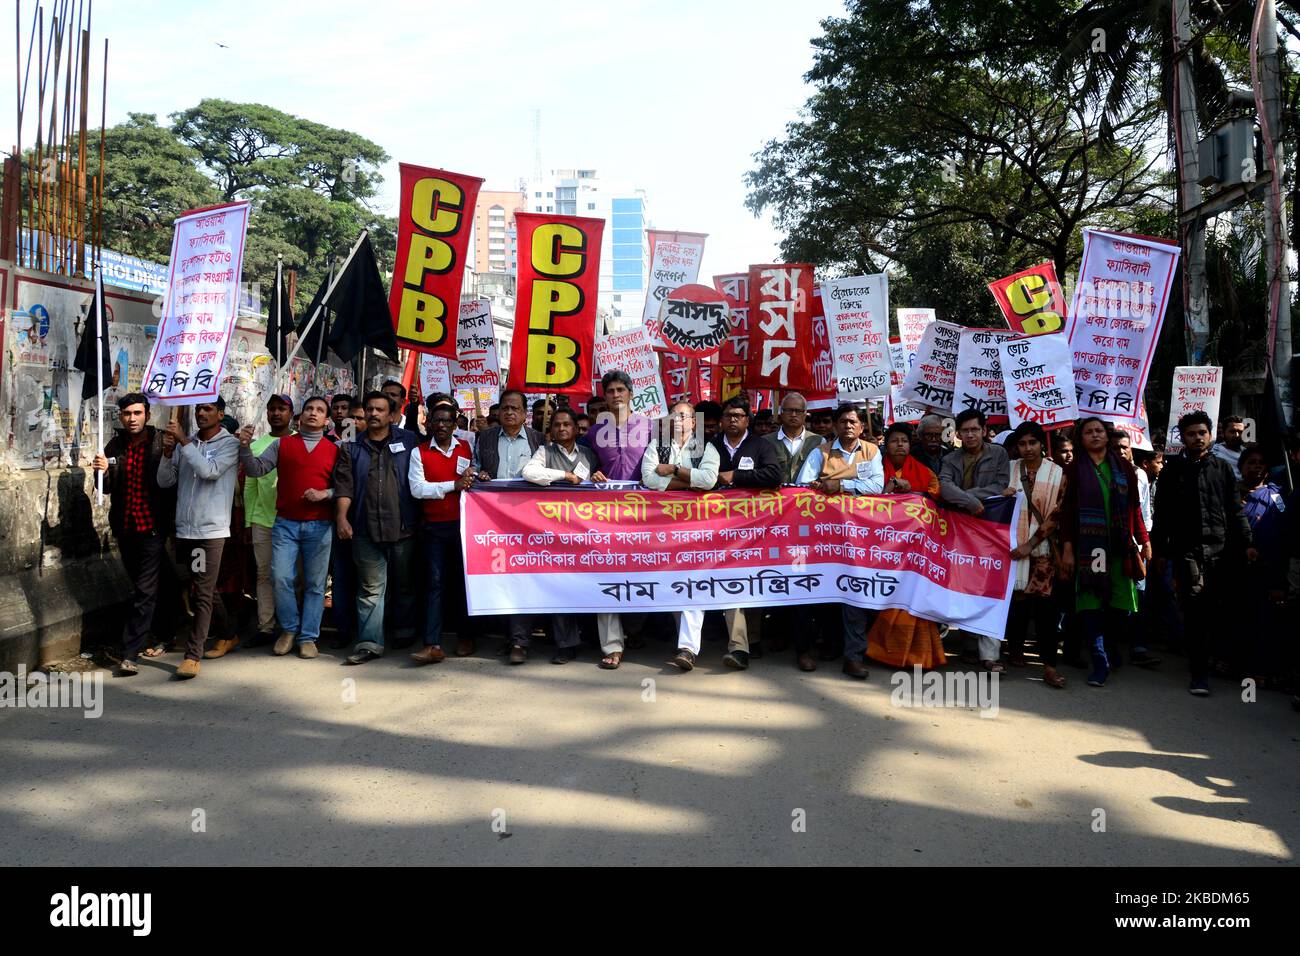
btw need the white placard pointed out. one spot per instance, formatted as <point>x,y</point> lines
<point>1038,380</point>
<point>933,376</point>
<point>979,373</point>
<point>674,261</point>
<point>857,321</point>
<point>198,317</point>
<point>631,352</point>
<point>1196,388</point>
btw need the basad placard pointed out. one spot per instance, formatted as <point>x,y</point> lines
<point>780,327</point>
<point>1031,301</point>
<point>857,316</point>
<point>674,262</point>
<point>694,321</point>
<point>198,318</point>
<point>979,374</point>
<point>1115,320</point>
<point>555,309</point>
<point>1197,388</point>
<point>933,377</point>
<point>1038,380</point>
<point>433,229</point>
<point>529,550</point>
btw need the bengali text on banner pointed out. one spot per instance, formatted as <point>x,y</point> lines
<point>198,317</point>
<point>530,550</point>
<point>780,327</point>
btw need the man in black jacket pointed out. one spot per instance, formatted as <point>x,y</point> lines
<point>1200,527</point>
<point>141,515</point>
<point>745,460</point>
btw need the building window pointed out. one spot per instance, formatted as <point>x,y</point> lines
<point>550,209</point>
<point>591,205</point>
<point>550,195</point>
<point>537,195</point>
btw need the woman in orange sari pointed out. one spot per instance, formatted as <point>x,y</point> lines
<point>898,638</point>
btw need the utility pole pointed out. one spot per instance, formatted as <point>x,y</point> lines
<point>1195,306</point>
<point>1275,229</point>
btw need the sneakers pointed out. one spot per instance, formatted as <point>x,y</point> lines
<point>737,660</point>
<point>189,668</point>
<point>307,650</point>
<point>1199,688</point>
<point>283,644</point>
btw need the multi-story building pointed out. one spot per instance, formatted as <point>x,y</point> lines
<point>624,254</point>
<point>495,246</point>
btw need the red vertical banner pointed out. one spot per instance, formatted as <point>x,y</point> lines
<point>734,356</point>
<point>780,327</point>
<point>555,306</point>
<point>433,229</point>
<point>1032,301</point>
<point>676,371</point>
<point>823,391</point>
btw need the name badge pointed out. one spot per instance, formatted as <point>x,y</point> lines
<point>581,470</point>
<point>397,448</point>
<point>746,464</point>
<point>462,465</point>
<point>864,470</point>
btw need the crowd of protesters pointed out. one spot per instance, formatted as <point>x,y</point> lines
<point>347,512</point>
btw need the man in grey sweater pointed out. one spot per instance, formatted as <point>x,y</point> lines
<point>202,468</point>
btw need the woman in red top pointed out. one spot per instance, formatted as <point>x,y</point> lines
<point>898,638</point>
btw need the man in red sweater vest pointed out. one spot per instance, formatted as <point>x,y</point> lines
<point>439,471</point>
<point>303,525</point>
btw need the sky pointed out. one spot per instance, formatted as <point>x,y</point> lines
<point>673,96</point>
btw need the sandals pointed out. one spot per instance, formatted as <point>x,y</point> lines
<point>127,668</point>
<point>610,662</point>
<point>158,650</point>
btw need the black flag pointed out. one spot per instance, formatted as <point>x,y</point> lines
<point>99,374</point>
<point>280,322</point>
<point>360,307</point>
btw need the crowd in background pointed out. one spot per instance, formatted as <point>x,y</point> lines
<point>344,516</point>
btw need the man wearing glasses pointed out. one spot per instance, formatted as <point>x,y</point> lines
<point>793,442</point>
<point>682,462</point>
<point>745,460</point>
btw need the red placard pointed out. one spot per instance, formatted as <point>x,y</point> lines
<point>433,227</point>
<point>1032,301</point>
<point>735,286</point>
<point>780,327</point>
<point>555,310</point>
<point>824,389</point>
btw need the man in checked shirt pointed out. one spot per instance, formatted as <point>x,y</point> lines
<point>141,514</point>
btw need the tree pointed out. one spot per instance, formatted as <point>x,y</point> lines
<point>149,179</point>
<point>938,143</point>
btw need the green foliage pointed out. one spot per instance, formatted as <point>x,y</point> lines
<point>938,144</point>
<point>309,186</point>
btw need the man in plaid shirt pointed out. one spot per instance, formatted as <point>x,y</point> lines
<point>141,514</point>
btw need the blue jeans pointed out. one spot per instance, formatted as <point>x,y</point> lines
<point>378,565</point>
<point>309,541</point>
<point>445,583</point>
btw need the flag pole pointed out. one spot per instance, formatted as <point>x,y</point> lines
<point>328,292</point>
<point>320,342</point>
<point>99,372</point>
<point>275,304</point>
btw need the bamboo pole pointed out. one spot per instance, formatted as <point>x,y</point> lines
<point>103,146</point>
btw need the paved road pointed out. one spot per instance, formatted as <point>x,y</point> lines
<point>579,765</point>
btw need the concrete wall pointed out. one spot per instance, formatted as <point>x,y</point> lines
<point>62,584</point>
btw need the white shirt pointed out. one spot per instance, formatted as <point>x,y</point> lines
<point>434,490</point>
<point>703,478</point>
<point>732,449</point>
<point>793,444</point>
<point>538,473</point>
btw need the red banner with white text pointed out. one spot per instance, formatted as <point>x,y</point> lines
<point>433,229</point>
<point>780,327</point>
<point>555,306</point>
<point>532,550</point>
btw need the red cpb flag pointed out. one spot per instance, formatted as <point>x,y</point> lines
<point>1032,301</point>
<point>780,327</point>
<point>432,238</point>
<point>555,310</point>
